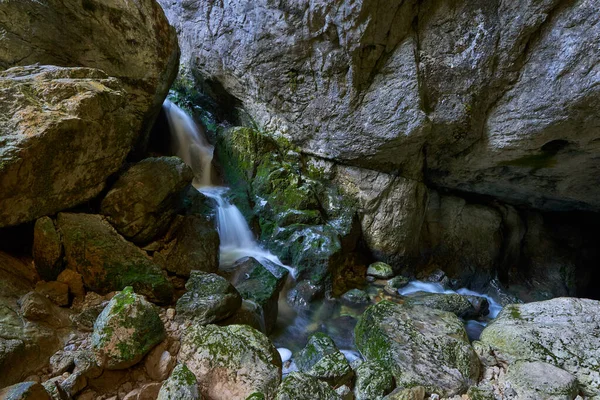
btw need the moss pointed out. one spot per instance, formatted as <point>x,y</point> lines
<point>514,311</point>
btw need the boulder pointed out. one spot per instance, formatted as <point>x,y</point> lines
<point>74,281</point>
<point>47,249</point>
<point>322,359</point>
<point>106,261</point>
<point>68,131</point>
<point>373,381</point>
<point>535,380</point>
<point>562,332</point>
<point>380,270</point>
<point>159,362</point>
<point>231,362</point>
<point>57,292</point>
<point>414,393</point>
<point>195,247</point>
<point>420,346</point>
<point>127,329</point>
<point>25,391</point>
<point>455,303</point>
<point>209,298</point>
<point>299,386</point>
<point>356,297</point>
<point>145,198</point>
<point>181,385</point>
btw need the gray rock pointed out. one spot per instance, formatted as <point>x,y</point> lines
<point>535,380</point>
<point>398,282</point>
<point>181,385</point>
<point>209,298</point>
<point>230,362</point>
<point>322,359</point>
<point>373,381</point>
<point>562,332</point>
<point>47,249</point>
<point>57,292</point>
<point>127,329</point>
<point>356,297</point>
<point>299,386</point>
<point>420,346</point>
<point>380,270</point>
<point>25,391</point>
<point>145,198</point>
<point>453,302</point>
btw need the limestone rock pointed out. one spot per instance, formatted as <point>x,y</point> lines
<point>299,386</point>
<point>562,332</point>
<point>159,362</point>
<point>209,298</point>
<point>47,249</point>
<point>181,385</point>
<point>25,391</point>
<point>535,380</point>
<point>195,247</point>
<point>231,362</point>
<point>322,359</point>
<point>373,381</point>
<point>421,346</point>
<point>107,261</point>
<point>144,200</point>
<point>127,329</point>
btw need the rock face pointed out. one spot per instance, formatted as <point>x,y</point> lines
<point>64,130</point>
<point>420,346</point>
<point>143,202</point>
<point>107,261</point>
<point>127,329</point>
<point>481,97</point>
<point>562,332</point>
<point>231,362</point>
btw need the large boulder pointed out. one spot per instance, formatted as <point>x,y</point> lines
<point>373,381</point>
<point>562,332</point>
<point>127,329</point>
<point>231,362</point>
<point>65,130</point>
<point>107,261</point>
<point>144,200</point>
<point>420,346</point>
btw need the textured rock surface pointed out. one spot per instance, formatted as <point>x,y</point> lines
<point>299,386</point>
<point>25,391</point>
<point>231,362</point>
<point>452,302</point>
<point>47,249</point>
<point>495,98</point>
<point>322,359</point>
<point>181,385</point>
<point>143,202</point>
<point>373,381</point>
<point>562,332</point>
<point>127,329</point>
<point>64,131</point>
<point>535,380</point>
<point>107,261</point>
<point>421,347</point>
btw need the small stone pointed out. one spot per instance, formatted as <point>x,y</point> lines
<point>181,385</point>
<point>74,384</point>
<point>74,281</point>
<point>57,292</point>
<point>356,297</point>
<point>35,307</point>
<point>170,313</point>
<point>373,381</point>
<point>322,359</point>
<point>398,282</point>
<point>159,362</point>
<point>380,270</point>
<point>345,393</point>
<point>299,386</point>
<point>62,362</point>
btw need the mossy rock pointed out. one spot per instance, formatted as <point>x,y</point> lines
<point>209,298</point>
<point>127,329</point>
<point>322,359</point>
<point>356,297</point>
<point>299,386</point>
<point>380,270</point>
<point>25,391</point>
<point>420,346</point>
<point>231,362</point>
<point>181,385</point>
<point>452,302</point>
<point>373,381</point>
<point>398,282</point>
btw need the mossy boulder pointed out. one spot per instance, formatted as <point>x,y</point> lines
<point>356,297</point>
<point>540,380</point>
<point>181,385</point>
<point>47,249</point>
<point>127,329</point>
<point>562,332</point>
<point>195,247</point>
<point>231,362</point>
<point>380,270</point>
<point>299,386</point>
<point>451,302</point>
<point>421,346</point>
<point>25,391</point>
<point>373,381</point>
<point>322,359</point>
<point>145,198</point>
<point>398,282</point>
<point>209,298</point>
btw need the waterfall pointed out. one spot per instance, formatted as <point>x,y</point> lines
<point>189,143</point>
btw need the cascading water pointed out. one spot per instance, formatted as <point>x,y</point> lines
<point>189,143</point>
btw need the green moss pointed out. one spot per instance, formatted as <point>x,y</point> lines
<point>514,311</point>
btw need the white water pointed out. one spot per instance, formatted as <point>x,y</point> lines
<point>189,143</point>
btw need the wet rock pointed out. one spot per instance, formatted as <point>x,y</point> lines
<point>159,362</point>
<point>47,249</point>
<point>322,359</point>
<point>231,362</point>
<point>249,314</point>
<point>25,391</point>
<point>145,198</point>
<point>74,281</point>
<point>414,393</point>
<point>535,380</point>
<point>209,298</point>
<point>195,247</point>
<point>107,261</point>
<point>373,381</point>
<point>561,332</point>
<point>304,293</point>
<point>299,386</point>
<point>452,302</point>
<point>420,346</point>
<point>127,329</point>
<point>355,297</point>
<point>380,270</point>
<point>181,385</point>
<point>398,282</point>
<point>57,292</point>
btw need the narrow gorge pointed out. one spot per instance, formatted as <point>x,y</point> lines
<point>299,200</point>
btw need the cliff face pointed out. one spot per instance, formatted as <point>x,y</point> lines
<point>489,97</point>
